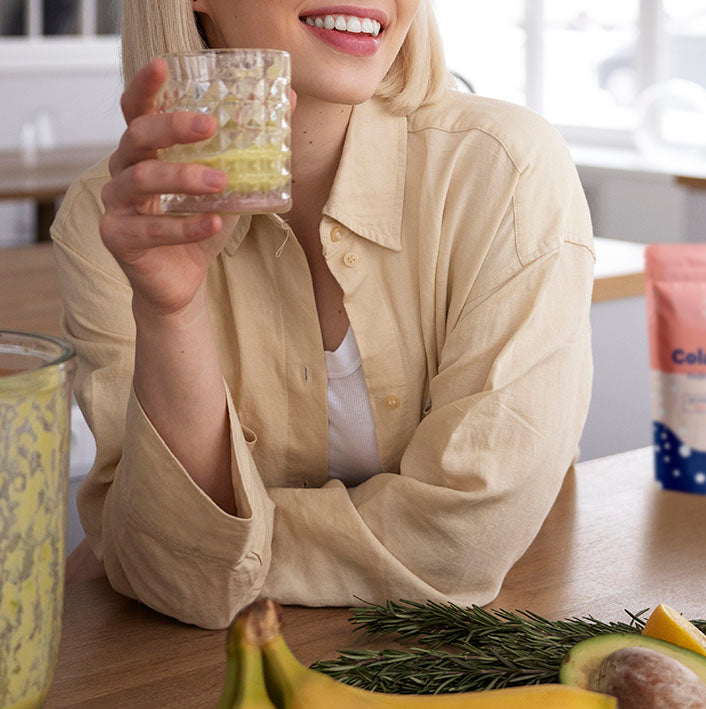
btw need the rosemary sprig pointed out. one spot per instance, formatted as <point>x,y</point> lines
<point>425,671</point>
<point>491,649</point>
<point>437,624</point>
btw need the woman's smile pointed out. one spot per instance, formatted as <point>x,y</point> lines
<point>352,30</point>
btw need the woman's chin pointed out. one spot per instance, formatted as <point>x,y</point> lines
<point>341,93</point>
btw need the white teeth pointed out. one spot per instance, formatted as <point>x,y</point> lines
<point>343,23</point>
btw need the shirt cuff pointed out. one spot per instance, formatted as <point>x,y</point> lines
<point>158,495</point>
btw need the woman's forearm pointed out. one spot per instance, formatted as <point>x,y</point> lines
<point>179,385</point>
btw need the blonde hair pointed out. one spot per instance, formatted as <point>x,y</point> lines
<point>417,77</point>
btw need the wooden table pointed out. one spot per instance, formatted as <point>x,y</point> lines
<point>613,540</point>
<point>696,183</point>
<point>29,289</point>
<point>45,178</point>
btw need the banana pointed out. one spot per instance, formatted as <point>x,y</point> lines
<point>291,685</point>
<point>245,680</point>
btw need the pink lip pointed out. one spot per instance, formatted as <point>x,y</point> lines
<point>378,15</point>
<point>359,45</point>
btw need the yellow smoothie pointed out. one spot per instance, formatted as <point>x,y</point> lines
<point>34,438</point>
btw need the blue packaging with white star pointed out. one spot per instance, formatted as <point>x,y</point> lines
<point>675,279</point>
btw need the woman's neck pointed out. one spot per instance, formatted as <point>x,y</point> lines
<point>318,133</point>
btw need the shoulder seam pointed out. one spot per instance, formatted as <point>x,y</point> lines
<point>471,129</point>
<point>582,245</point>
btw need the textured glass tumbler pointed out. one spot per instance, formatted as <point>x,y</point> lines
<point>247,92</point>
<point>35,431</point>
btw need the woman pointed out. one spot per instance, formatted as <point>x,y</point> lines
<point>375,396</point>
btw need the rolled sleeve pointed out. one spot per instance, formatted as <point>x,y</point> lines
<point>171,544</point>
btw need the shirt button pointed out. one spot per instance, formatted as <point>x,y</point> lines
<point>350,259</point>
<point>392,402</point>
<point>336,233</point>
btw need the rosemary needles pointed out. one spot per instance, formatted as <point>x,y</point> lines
<point>463,649</point>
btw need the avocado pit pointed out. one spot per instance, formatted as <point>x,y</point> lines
<point>641,678</point>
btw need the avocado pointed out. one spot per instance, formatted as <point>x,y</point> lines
<point>580,665</point>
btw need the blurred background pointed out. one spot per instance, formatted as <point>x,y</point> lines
<point>582,64</point>
<point>624,81</point>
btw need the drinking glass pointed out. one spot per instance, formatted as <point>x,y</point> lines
<point>247,92</point>
<point>36,372</point>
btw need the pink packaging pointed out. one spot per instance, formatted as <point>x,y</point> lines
<point>675,276</point>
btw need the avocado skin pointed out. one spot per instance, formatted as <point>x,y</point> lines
<point>580,665</point>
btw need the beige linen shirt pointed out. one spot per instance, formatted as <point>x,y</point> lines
<point>462,242</point>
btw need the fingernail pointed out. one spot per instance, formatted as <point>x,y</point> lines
<point>213,178</point>
<point>201,124</point>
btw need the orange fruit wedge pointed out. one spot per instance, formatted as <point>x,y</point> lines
<point>666,624</point>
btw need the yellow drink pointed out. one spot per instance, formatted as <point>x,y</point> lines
<point>35,431</point>
<point>253,169</point>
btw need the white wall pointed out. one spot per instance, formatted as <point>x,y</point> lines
<point>83,107</point>
<point>76,83</point>
<point>620,417</point>
<point>643,206</point>
<point>83,452</point>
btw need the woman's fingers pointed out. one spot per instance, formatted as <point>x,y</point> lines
<point>147,134</point>
<point>138,98</point>
<point>138,183</point>
<point>148,131</point>
<point>124,233</point>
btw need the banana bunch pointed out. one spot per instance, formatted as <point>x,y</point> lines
<point>262,673</point>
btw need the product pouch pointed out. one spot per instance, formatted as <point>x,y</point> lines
<point>675,277</point>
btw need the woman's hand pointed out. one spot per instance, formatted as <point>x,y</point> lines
<point>164,257</point>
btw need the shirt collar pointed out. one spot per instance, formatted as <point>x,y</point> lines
<point>368,190</point>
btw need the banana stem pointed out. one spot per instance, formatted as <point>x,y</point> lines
<point>245,679</point>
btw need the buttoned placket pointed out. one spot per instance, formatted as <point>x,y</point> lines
<point>383,367</point>
<point>305,365</point>
<point>285,347</point>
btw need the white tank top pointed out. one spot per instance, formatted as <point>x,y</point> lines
<point>352,452</point>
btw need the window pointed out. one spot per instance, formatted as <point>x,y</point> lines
<point>58,36</point>
<point>48,18</point>
<point>485,43</point>
<point>582,63</point>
